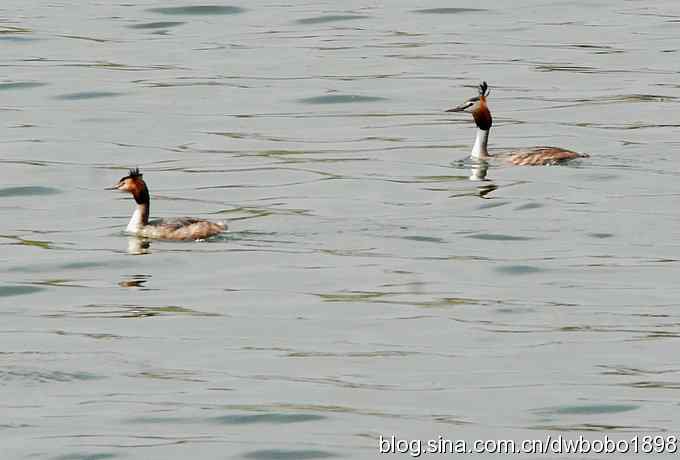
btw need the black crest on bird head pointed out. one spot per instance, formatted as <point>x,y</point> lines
<point>134,174</point>
<point>484,89</point>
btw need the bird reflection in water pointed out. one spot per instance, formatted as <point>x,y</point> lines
<point>478,173</point>
<point>138,246</point>
<point>134,281</point>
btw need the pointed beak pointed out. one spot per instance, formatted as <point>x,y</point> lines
<point>461,107</point>
<point>115,187</point>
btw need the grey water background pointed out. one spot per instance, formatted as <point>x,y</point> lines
<point>366,287</point>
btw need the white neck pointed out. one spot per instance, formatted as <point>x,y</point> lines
<point>479,149</point>
<point>137,220</point>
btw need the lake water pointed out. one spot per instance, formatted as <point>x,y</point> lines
<point>366,286</point>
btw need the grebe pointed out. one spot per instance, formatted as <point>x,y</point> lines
<point>536,156</point>
<point>181,228</point>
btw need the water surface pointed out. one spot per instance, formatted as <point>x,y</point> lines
<point>366,287</point>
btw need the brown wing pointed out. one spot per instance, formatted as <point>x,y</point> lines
<point>174,223</point>
<point>542,156</point>
<point>182,228</point>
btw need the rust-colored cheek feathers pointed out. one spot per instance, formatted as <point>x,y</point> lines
<point>482,115</point>
<point>137,187</point>
<point>134,187</point>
